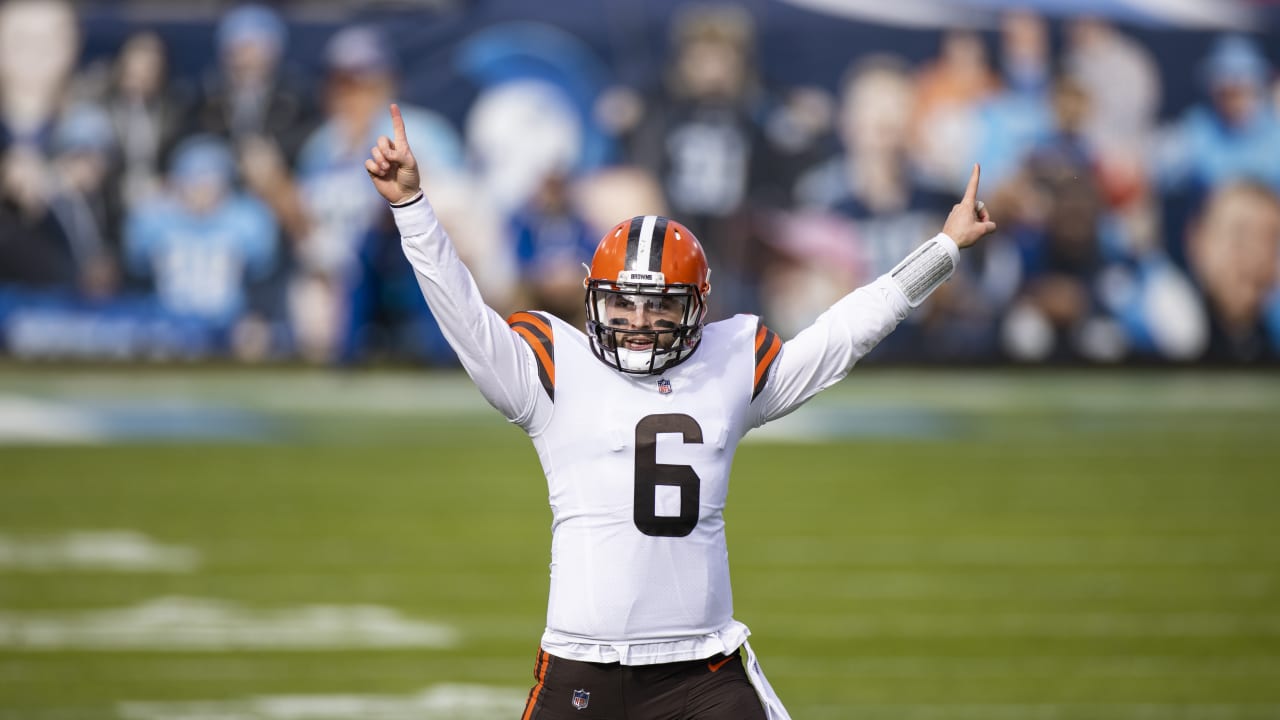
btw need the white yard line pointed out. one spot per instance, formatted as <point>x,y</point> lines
<point>438,702</point>
<point>1048,711</point>
<point>95,550</point>
<point>1059,584</point>
<point>1066,551</point>
<point>937,667</point>
<point>184,623</point>
<point>999,624</point>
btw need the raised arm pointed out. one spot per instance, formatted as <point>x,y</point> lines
<point>502,365</point>
<point>823,353</point>
<point>392,167</point>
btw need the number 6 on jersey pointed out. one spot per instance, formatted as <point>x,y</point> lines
<point>650,476</point>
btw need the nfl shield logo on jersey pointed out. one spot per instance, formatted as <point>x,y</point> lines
<point>664,386</point>
<point>580,699</point>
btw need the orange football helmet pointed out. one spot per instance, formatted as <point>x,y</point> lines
<point>646,295</point>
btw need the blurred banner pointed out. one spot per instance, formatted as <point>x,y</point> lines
<point>1241,15</point>
<point>185,181</point>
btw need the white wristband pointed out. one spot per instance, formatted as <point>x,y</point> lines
<point>926,268</point>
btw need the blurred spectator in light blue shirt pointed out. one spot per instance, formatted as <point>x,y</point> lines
<point>330,170</point>
<point>202,243</point>
<point>1236,136</point>
<point>327,205</point>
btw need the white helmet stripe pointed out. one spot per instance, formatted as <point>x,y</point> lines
<point>645,244</point>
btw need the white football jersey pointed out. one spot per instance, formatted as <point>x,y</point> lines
<point>637,466</point>
<point>637,470</point>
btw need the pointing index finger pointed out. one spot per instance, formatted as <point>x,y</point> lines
<point>397,124</point>
<point>971,192</point>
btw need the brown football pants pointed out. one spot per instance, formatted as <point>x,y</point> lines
<point>712,689</point>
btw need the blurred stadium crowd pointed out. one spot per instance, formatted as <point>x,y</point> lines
<point>194,188</point>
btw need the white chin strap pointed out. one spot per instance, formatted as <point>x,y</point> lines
<point>635,360</point>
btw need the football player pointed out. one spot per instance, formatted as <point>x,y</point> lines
<point>635,423</point>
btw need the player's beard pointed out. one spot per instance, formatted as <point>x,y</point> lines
<point>636,351</point>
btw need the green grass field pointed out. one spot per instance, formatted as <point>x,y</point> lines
<point>912,546</point>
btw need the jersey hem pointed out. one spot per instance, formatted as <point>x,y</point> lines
<point>570,647</point>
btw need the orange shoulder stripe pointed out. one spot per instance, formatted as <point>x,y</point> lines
<point>537,320</point>
<point>536,332</point>
<point>768,345</point>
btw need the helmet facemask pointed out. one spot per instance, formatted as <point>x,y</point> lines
<point>643,329</point>
<point>646,295</point>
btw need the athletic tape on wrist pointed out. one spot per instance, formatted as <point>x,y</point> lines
<point>923,271</point>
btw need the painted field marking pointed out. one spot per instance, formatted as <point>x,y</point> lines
<point>1109,625</point>
<point>1156,551</point>
<point>438,702</point>
<point>1048,711</point>
<point>184,623</point>
<point>111,550</point>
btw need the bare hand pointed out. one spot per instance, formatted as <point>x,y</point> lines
<point>392,167</point>
<point>969,220</point>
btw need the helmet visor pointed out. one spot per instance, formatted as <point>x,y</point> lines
<point>640,330</point>
<point>641,321</point>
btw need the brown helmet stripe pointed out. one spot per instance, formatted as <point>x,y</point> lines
<point>656,243</point>
<point>633,243</point>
